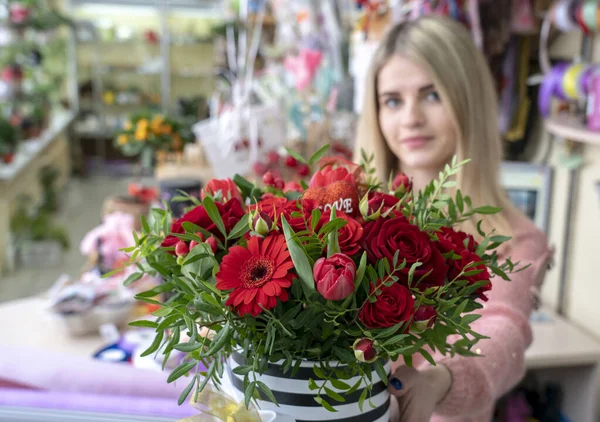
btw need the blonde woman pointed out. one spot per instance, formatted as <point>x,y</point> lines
<point>430,95</point>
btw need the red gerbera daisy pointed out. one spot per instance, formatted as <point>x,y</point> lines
<point>258,274</point>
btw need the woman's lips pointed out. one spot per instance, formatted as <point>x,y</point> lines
<point>416,141</point>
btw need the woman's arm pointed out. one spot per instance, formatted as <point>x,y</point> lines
<point>478,382</point>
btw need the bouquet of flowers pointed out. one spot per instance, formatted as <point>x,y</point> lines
<point>319,287</point>
<point>155,132</point>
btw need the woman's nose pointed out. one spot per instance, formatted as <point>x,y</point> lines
<point>412,114</point>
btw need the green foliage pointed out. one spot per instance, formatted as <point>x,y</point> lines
<point>307,326</point>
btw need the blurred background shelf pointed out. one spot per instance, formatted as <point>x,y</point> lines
<point>572,128</point>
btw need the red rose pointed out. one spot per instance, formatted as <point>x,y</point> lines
<point>334,276</point>
<point>349,237</point>
<point>231,212</point>
<point>452,240</point>
<point>382,238</point>
<point>379,201</point>
<point>467,257</point>
<point>297,214</point>
<point>227,187</point>
<point>395,304</point>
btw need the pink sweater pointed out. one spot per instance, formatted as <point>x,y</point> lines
<point>477,382</point>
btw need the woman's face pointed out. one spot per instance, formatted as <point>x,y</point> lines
<point>416,125</point>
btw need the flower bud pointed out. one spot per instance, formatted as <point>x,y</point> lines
<point>364,350</point>
<point>212,242</point>
<point>401,184</point>
<point>193,244</point>
<point>261,223</point>
<point>181,248</point>
<point>423,319</point>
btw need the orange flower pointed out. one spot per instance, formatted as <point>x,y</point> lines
<point>166,129</point>
<point>122,139</point>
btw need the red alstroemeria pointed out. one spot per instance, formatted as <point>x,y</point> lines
<point>328,175</point>
<point>258,275</point>
<point>227,187</point>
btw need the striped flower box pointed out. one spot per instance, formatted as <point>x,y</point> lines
<point>296,400</point>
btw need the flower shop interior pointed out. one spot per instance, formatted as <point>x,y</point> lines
<point>112,108</point>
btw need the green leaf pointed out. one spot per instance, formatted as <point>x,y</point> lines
<point>412,270</point>
<point>296,155</point>
<point>340,385</point>
<point>180,371</point>
<point>161,288</point>
<point>470,318</point>
<point>263,387</point>
<point>408,360</point>
<point>333,245</point>
<point>500,273</point>
<point>318,155</point>
<point>300,260</point>
<point>245,186</point>
<point>326,405</point>
<point>188,347</point>
<point>162,312</point>
<point>312,385</point>
<point>132,279</point>
<point>427,356</point>
<point>186,391</point>
<point>461,308</point>
<point>315,217</point>
<point>355,387</point>
<point>221,338</point>
<point>248,393</point>
<point>390,331</point>
<point>395,339</point>
<point>360,272</point>
<point>198,267</point>
<point>143,323</point>
<point>213,213</point>
<point>487,210</point>
<point>242,370</point>
<point>459,201</point>
<point>383,376</point>
<point>361,400</point>
<point>240,229</point>
<point>319,372</point>
<point>155,344</point>
<point>336,396</point>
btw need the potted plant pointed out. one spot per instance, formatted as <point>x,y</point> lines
<point>296,302</point>
<point>8,141</point>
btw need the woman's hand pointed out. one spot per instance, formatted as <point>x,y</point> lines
<point>417,392</point>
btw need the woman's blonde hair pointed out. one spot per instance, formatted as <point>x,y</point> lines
<point>462,77</point>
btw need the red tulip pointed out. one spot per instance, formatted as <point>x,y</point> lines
<point>334,276</point>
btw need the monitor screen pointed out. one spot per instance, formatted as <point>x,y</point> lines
<point>529,188</point>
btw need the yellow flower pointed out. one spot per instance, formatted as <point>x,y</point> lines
<point>141,134</point>
<point>142,123</point>
<point>128,125</point>
<point>156,124</point>
<point>122,139</point>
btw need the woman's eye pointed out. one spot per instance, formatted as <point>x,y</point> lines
<point>392,102</point>
<point>433,96</point>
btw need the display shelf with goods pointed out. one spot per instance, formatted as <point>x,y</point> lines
<point>154,57</point>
